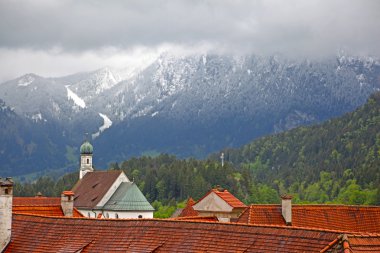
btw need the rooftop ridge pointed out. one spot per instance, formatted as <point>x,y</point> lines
<point>234,224</point>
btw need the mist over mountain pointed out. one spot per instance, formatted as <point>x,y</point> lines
<point>189,106</point>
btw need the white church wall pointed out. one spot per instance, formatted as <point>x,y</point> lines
<point>116,214</point>
<point>128,215</point>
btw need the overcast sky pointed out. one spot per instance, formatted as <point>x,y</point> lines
<point>58,37</point>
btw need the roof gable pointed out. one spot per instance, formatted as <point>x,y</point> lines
<point>211,201</point>
<point>229,198</point>
<point>90,190</point>
<point>189,210</point>
<point>128,197</point>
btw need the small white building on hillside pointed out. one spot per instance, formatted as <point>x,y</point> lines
<point>107,194</point>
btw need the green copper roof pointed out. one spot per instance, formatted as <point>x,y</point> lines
<point>128,197</point>
<point>86,148</point>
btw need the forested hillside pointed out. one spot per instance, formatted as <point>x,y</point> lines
<point>335,162</point>
<point>344,152</point>
<point>190,106</point>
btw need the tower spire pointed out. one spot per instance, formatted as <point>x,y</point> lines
<point>86,151</point>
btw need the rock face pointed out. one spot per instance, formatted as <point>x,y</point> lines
<point>188,106</point>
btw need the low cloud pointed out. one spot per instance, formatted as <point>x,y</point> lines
<point>70,32</point>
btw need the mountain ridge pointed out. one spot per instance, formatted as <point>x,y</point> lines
<point>189,106</point>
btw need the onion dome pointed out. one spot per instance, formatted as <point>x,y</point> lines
<point>86,148</point>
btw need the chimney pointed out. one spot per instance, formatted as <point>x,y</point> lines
<point>286,204</point>
<point>67,203</point>
<point>6,194</point>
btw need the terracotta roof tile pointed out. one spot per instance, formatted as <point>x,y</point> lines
<point>49,234</point>
<point>39,210</point>
<point>43,210</point>
<point>189,210</point>
<point>93,186</point>
<point>336,217</point>
<point>354,243</point>
<point>229,198</point>
<point>46,206</point>
<point>23,201</point>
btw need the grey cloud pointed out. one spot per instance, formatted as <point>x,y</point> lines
<point>293,27</point>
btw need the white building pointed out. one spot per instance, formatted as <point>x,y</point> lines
<point>220,203</point>
<point>107,194</point>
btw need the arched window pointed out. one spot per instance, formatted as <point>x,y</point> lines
<point>116,216</point>
<point>140,216</point>
<point>88,161</point>
<point>89,215</point>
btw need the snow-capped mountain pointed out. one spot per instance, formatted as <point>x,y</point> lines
<point>190,105</point>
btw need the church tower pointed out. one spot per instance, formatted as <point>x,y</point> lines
<point>85,159</point>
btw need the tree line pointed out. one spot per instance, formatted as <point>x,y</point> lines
<point>335,162</point>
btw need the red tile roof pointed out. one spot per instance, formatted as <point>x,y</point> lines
<point>43,210</point>
<point>354,243</point>
<point>92,187</point>
<point>46,206</point>
<point>189,210</point>
<point>336,217</point>
<point>262,214</point>
<point>227,197</point>
<point>28,201</point>
<point>52,234</point>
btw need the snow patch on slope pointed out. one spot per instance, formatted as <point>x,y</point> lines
<point>77,100</point>
<point>25,81</point>
<point>107,123</point>
<point>38,117</point>
<point>106,79</point>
